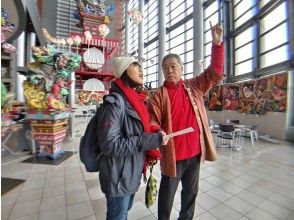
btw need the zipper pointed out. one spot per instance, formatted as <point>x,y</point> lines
<point>99,155</point>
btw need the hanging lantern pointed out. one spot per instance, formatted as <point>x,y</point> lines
<point>63,43</point>
<point>88,36</point>
<point>69,41</point>
<point>77,40</point>
<point>103,30</point>
<point>135,15</point>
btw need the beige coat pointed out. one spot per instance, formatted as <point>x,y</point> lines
<point>160,113</point>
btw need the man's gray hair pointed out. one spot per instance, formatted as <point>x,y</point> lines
<point>172,55</point>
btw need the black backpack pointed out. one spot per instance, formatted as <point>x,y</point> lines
<point>89,144</point>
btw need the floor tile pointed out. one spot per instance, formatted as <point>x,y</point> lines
<point>250,197</point>
<point>77,197</point>
<point>26,217</point>
<point>224,212</point>
<point>259,214</point>
<point>219,194</point>
<point>99,207</point>
<point>58,213</point>
<point>274,209</point>
<point>206,216</point>
<point>76,186</point>
<point>9,199</point>
<point>231,188</point>
<point>52,203</point>
<point>282,200</point>
<point>5,211</point>
<point>239,205</point>
<point>206,201</point>
<point>30,195</point>
<point>205,185</point>
<point>54,191</point>
<point>80,210</point>
<point>54,181</point>
<point>139,210</point>
<point>26,208</point>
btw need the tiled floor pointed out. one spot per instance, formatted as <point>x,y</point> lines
<point>238,186</point>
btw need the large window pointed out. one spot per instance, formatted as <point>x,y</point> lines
<point>151,44</point>
<point>255,33</point>
<point>180,33</point>
<point>259,35</point>
<point>134,30</point>
<point>274,26</point>
<point>243,11</point>
<point>211,14</point>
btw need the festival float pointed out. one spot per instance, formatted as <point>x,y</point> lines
<point>46,91</point>
<point>95,48</point>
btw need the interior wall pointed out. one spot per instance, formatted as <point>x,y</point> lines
<point>272,123</point>
<point>290,118</point>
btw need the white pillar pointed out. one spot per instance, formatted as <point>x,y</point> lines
<point>198,37</point>
<point>20,62</point>
<point>32,43</point>
<point>161,39</point>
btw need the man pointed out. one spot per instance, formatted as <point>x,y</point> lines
<point>176,105</point>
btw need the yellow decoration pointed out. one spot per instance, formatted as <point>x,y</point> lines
<point>35,103</point>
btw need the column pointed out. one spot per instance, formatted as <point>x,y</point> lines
<point>141,35</point>
<point>228,22</point>
<point>198,37</point>
<point>161,39</point>
<point>126,28</point>
<point>32,43</point>
<point>72,105</point>
<point>20,62</point>
<point>290,116</point>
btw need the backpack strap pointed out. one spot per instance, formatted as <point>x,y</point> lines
<point>122,105</point>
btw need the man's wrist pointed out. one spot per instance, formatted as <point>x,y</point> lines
<point>217,43</point>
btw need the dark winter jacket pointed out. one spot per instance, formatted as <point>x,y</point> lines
<point>123,147</point>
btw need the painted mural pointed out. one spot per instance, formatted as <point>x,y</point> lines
<point>215,99</point>
<point>260,96</point>
<point>268,94</point>
<point>230,97</point>
<point>246,97</point>
<point>277,93</point>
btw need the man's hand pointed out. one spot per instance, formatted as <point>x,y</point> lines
<point>217,34</point>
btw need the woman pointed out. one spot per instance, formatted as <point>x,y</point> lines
<point>126,136</point>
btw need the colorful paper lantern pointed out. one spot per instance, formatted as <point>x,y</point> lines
<point>88,36</point>
<point>103,30</point>
<point>135,15</point>
<point>77,40</point>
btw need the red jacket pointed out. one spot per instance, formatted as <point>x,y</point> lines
<point>188,145</point>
